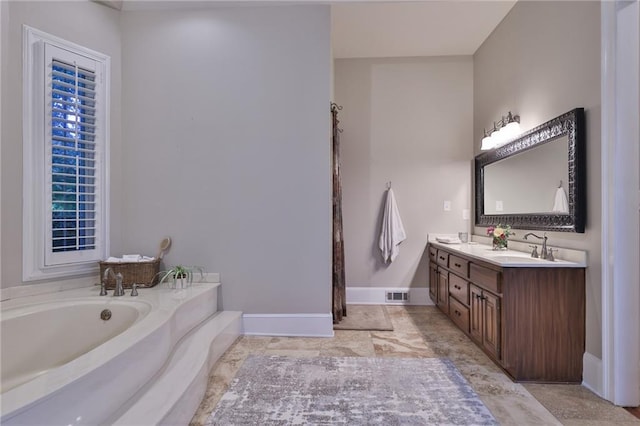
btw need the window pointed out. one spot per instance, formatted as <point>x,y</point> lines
<point>65,146</point>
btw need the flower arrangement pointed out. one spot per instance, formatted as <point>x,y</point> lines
<point>500,235</point>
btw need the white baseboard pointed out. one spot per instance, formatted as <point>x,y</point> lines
<point>592,374</point>
<point>294,325</point>
<point>321,325</point>
<point>376,296</point>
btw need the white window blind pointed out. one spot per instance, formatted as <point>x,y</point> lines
<point>66,147</point>
<point>73,152</point>
<point>72,195</point>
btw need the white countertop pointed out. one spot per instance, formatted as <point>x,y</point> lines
<point>505,258</point>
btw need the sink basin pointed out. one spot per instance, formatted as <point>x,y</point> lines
<point>507,258</point>
<point>515,259</point>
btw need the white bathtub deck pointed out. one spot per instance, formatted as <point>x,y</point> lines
<point>174,394</point>
<point>153,372</point>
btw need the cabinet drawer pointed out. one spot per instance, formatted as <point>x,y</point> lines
<point>459,314</point>
<point>443,258</point>
<point>433,254</point>
<point>460,266</point>
<point>485,277</point>
<point>459,288</point>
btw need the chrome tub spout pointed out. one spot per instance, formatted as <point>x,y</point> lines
<point>119,291</point>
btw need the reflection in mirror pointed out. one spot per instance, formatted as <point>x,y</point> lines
<point>537,181</point>
<point>528,182</point>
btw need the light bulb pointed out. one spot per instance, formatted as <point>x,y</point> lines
<point>497,138</point>
<point>512,127</point>
<point>487,141</point>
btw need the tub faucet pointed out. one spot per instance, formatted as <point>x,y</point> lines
<point>543,252</point>
<point>103,288</point>
<point>119,291</point>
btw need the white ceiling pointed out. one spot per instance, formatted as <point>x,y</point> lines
<point>375,28</point>
<point>426,28</point>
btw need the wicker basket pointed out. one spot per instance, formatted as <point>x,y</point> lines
<point>144,274</point>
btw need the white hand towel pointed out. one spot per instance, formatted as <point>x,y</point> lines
<point>561,204</point>
<point>131,258</point>
<point>392,232</point>
<point>449,240</point>
<point>128,258</point>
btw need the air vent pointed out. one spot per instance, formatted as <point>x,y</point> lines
<point>397,296</point>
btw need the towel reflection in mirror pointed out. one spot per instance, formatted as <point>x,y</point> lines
<point>560,203</point>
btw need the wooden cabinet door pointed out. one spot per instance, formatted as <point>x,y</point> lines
<point>433,282</point>
<point>443,291</point>
<point>491,324</point>
<point>475,312</point>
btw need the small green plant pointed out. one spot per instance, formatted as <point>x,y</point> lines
<point>181,274</point>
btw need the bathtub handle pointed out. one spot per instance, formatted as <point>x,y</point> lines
<point>103,289</point>
<point>134,289</point>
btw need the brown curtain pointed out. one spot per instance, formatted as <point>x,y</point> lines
<point>339,308</point>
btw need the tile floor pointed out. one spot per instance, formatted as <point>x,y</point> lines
<point>423,331</point>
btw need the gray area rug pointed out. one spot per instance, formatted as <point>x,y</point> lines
<point>365,317</point>
<point>274,390</point>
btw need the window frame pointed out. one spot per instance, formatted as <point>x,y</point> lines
<point>36,177</point>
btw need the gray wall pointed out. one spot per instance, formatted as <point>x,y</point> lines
<point>225,113</point>
<point>94,26</point>
<point>408,121</point>
<point>541,61</point>
<point>227,149</point>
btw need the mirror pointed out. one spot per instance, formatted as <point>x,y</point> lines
<point>536,181</point>
<point>504,180</point>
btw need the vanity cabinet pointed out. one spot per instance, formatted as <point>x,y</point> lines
<point>529,320</point>
<point>433,274</point>
<point>485,325</point>
<point>443,290</point>
<point>459,288</point>
<point>439,278</point>
<point>459,313</point>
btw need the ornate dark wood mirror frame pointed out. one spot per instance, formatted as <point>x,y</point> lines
<point>571,124</point>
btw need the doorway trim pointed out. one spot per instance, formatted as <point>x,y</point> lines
<point>620,234</point>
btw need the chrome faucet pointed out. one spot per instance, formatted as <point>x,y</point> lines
<point>103,288</point>
<point>119,291</point>
<point>543,252</point>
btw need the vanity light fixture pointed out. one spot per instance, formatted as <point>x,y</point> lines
<point>504,130</point>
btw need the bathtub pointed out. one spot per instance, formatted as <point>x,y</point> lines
<point>58,332</point>
<point>63,364</point>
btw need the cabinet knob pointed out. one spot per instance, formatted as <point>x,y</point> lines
<point>458,265</point>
